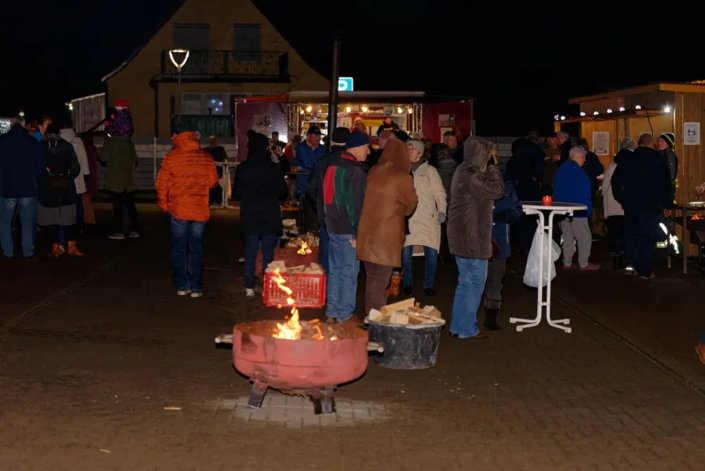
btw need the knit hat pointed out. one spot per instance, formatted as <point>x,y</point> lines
<point>401,135</point>
<point>417,145</point>
<point>357,139</point>
<point>340,136</point>
<point>627,143</point>
<point>121,104</point>
<point>669,137</point>
<point>256,141</point>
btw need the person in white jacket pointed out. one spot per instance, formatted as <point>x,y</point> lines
<point>425,223</point>
<point>614,214</point>
<point>69,135</point>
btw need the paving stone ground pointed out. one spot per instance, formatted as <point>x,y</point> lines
<point>84,383</point>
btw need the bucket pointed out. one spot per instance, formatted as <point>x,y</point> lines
<point>406,347</point>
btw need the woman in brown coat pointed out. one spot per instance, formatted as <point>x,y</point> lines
<point>476,184</point>
<point>389,197</point>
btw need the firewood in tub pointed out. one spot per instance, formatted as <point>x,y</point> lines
<point>423,314</point>
<point>399,306</point>
<point>399,317</point>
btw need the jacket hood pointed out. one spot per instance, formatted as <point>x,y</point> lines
<point>186,141</point>
<point>67,134</point>
<point>395,152</point>
<point>54,143</point>
<point>477,151</point>
<point>621,155</point>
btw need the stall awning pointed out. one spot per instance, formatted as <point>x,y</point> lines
<point>357,97</point>
<point>614,116</point>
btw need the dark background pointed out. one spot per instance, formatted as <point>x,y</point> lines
<point>521,61</point>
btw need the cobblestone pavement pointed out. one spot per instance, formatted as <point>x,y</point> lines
<point>120,374</point>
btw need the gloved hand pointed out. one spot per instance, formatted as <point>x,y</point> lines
<point>441,218</point>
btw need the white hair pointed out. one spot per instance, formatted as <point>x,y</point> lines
<point>17,120</point>
<point>578,150</point>
<point>563,134</point>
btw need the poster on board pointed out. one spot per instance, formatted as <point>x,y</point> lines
<point>691,133</point>
<point>601,143</point>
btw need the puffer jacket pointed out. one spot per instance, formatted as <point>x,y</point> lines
<point>424,227</point>
<point>69,135</point>
<point>389,197</point>
<point>475,187</point>
<point>184,181</point>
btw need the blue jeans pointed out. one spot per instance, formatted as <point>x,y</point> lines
<point>187,268</point>
<point>431,258</point>
<point>323,248</point>
<point>28,218</point>
<point>342,277</point>
<point>472,274</point>
<point>269,241</point>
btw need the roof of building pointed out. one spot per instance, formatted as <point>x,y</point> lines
<point>692,87</point>
<point>359,97</point>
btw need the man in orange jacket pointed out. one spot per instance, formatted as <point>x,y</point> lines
<point>183,184</point>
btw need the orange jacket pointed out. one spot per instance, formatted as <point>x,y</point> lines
<point>183,182</point>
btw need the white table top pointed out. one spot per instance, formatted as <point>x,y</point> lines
<point>554,206</point>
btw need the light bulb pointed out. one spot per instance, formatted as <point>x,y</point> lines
<point>621,108</point>
<point>348,109</point>
<point>309,108</point>
<point>609,110</point>
<point>667,109</point>
<point>364,109</point>
<point>409,111</point>
<point>638,107</point>
<point>582,113</point>
<point>399,109</point>
<point>301,111</point>
<point>557,117</point>
<point>596,113</point>
<point>562,118</point>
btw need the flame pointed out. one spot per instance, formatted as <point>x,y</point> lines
<point>696,217</point>
<point>334,338</point>
<point>291,329</point>
<point>304,250</point>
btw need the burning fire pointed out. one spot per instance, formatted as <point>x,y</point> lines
<point>291,329</point>
<point>304,250</point>
<point>696,217</point>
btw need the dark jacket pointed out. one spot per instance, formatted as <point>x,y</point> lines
<point>61,164</point>
<point>389,197</point>
<point>260,185</point>
<point>305,158</point>
<point>387,127</point>
<point>373,158</point>
<point>446,166</point>
<point>314,186</point>
<point>474,189</point>
<point>344,194</point>
<point>21,163</point>
<point>593,168</point>
<point>119,156</point>
<point>572,185</point>
<point>458,154</point>
<point>642,181</point>
<point>525,169</point>
<point>672,162</point>
<point>507,211</point>
<point>565,150</point>
<point>219,155</point>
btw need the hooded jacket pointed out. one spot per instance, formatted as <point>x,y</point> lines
<point>260,185</point>
<point>389,197</point>
<point>69,135</point>
<point>424,228</point>
<point>475,187</point>
<point>184,181</point>
<point>21,163</point>
<point>60,162</point>
<point>314,186</point>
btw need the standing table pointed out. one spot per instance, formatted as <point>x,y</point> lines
<point>537,207</point>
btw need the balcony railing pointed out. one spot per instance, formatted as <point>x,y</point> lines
<point>255,66</point>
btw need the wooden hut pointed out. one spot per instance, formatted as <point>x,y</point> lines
<point>606,118</point>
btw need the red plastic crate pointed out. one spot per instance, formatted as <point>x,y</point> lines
<point>309,289</point>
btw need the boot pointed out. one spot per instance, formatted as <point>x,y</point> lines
<point>491,319</point>
<point>55,251</point>
<point>73,250</point>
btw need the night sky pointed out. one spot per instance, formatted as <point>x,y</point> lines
<point>520,62</point>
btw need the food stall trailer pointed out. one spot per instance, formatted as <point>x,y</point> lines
<point>605,119</point>
<point>294,113</point>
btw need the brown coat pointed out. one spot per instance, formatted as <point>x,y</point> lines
<point>389,197</point>
<point>473,191</point>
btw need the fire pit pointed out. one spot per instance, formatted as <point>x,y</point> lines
<point>305,358</point>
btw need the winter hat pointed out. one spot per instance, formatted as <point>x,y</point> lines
<point>340,136</point>
<point>417,145</point>
<point>257,142</point>
<point>401,135</point>
<point>627,143</point>
<point>669,137</point>
<point>357,139</point>
<point>121,104</point>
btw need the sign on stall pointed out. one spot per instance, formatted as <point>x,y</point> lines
<point>692,134</point>
<point>345,84</point>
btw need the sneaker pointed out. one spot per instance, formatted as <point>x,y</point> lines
<point>567,267</point>
<point>590,267</point>
<point>249,292</point>
<point>196,294</point>
<point>183,292</point>
<point>630,271</point>
<point>134,235</point>
<point>117,236</point>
